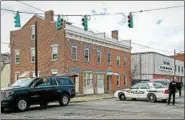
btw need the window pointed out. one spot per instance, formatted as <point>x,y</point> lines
<point>145,86</point>
<point>32,55</point>
<point>182,69</point>
<point>125,61</point>
<point>64,81</point>
<point>118,60</point>
<point>74,52</point>
<point>125,79</point>
<point>17,57</point>
<point>175,68</point>
<point>53,81</point>
<point>178,68</point>
<point>118,80</point>
<point>109,58</point>
<point>86,54</point>
<point>33,32</point>
<point>98,56</point>
<point>136,86</point>
<point>158,85</point>
<point>54,52</point>
<point>54,71</point>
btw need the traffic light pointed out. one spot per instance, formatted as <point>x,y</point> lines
<point>17,20</point>
<point>130,21</point>
<point>59,23</point>
<point>85,23</point>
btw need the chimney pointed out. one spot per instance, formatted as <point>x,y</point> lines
<point>115,34</point>
<point>49,16</point>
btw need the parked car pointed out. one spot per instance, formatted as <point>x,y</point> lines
<point>31,91</point>
<point>165,82</point>
<point>144,90</point>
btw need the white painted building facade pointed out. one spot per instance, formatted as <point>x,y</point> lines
<point>151,65</point>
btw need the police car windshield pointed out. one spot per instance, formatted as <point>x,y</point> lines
<point>158,85</point>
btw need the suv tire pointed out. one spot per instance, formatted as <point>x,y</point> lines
<point>64,100</point>
<point>21,104</point>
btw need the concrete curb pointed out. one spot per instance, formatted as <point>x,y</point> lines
<point>90,100</point>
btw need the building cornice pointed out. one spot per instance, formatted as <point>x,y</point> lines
<point>71,34</point>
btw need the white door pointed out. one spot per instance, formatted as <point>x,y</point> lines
<point>134,90</point>
<point>100,83</point>
<point>77,84</point>
<point>89,89</point>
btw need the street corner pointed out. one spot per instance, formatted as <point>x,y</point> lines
<point>92,97</point>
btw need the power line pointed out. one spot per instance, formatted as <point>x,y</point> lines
<point>30,6</point>
<point>155,9</point>
<point>72,15</point>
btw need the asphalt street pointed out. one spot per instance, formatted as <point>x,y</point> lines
<point>105,109</point>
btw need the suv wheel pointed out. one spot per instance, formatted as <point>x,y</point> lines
<point>64,100</point>
<point>21,104</point>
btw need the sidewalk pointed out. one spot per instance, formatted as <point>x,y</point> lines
<point>86,98</point>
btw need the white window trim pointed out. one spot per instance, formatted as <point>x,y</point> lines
<point>32,33</point>
<point>54,45</point>
<point>31,54</point>
<point>74,46</point>
<point>88,54</point>
<point>15,56</point>
<point>100,56</point>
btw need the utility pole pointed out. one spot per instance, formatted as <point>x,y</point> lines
<point>175,67</point>
<point>36,51</point>
<point>140,65</point>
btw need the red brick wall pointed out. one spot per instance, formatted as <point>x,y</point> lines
<point>93,65</point>
<point>155,76</point>
<point>47,35</point>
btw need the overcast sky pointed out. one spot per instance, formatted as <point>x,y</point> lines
<point>162,29</point>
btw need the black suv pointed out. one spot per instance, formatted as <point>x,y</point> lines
<point>40,90</point>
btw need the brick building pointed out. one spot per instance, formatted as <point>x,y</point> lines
<point>102,63</point>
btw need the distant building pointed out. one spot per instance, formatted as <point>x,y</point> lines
<point>5,70</point>
<point>102,63</point>
<point>152,65</point>
<point>179,56</point>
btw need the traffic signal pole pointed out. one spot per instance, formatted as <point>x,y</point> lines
<point>36,51</point>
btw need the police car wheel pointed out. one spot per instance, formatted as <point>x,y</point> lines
<point>151,98</point>
<point>122,97</point>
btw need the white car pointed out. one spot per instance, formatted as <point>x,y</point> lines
<point>150,91</point>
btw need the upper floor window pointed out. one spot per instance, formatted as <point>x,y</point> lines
<point>109,58</point>
<point>54,52</point>
<point>32,54</point>
<point>74,52</point>
<point>175,67</point>
<point>98,56</point>
<point>118,60</point>
<point>86,54</point>
<point>125,61</point>
<point>33,32</point>
<point>17,56</point>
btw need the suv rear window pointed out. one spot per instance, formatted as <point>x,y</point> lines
<point>64,81</point>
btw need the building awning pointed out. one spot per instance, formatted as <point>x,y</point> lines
<point>25,74</point>
<point>110,72</point>
<point>74,70</point>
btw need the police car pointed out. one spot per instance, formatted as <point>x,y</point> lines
<point>150,91</point>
